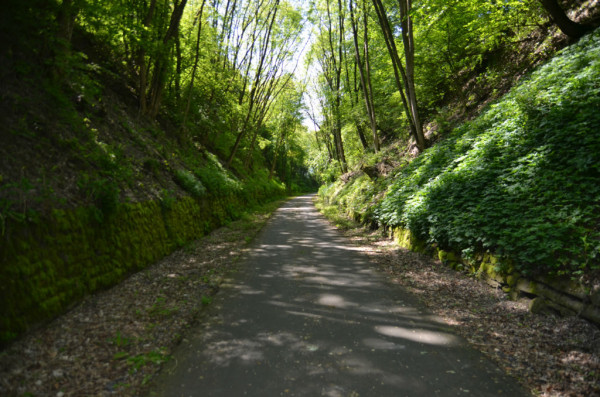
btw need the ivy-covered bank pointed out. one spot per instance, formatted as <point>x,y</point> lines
<point>49,265</point>
<point>521,183</point>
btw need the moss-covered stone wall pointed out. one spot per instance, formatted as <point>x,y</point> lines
<point>48,266</point>
<point>561,295</point>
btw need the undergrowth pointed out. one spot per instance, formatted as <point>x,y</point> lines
<point>521,181</point>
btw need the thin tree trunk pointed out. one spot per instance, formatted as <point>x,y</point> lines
<point>67,14</point>
<point>254,88</point>
<point>352,89</point>
<point>363,77</point>
<point>160,65</point>
<point>177,70</point>
<point>277,148</point>
<point>370,94</point>
<point>335,83</point>
<point>409,58</point>
<point>143,73</point>
<point>194,68</point>
<point>398,72</point>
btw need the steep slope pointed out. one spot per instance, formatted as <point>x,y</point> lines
<point>91,191</point>
<point>520,182</point>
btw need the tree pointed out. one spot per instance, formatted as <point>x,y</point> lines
<point>285,121</point>
<point>195,67</point>
<point>273,44</point>
<point>161,62</point>
<point>403,82</point>
<point>409,57</point>
<point>67,13</point>
<point>258,80</point>
<point>329,53</point>
<point>565,24</point>
<point>363,65</point>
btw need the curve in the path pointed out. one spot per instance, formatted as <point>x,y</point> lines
<point>308,316</point>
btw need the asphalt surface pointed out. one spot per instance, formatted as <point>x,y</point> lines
<point>308,315</point>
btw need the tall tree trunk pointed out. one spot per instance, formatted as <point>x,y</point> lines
<point>252,97</point>
<point>277,148</point>
<point>363,76</point>
<point>194,68</point>
<point>398,72</point>
<point>161,62</point>
<point>338,99</point>
<point>177,70</point>
<point>141,57</point>
<point>409,58</point>
<point>67,14</point>
<point>335,82</point>
<point>353,89</point>
<point>370,95</point>
<point>567,26</point>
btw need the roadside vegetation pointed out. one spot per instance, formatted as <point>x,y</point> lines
<point>519,180</point>
<point>130,129</point>
<point>110,103</point>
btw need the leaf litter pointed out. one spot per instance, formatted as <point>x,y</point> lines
<point>549,355</point>
<point>114,341</point>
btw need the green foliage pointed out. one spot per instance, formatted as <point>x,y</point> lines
<point>355,197</point>
<point>16,208</point>
<point>522,180</point>
<point>455,38</point>
<point>217,180</point>
<point>259,188</point>
<point>463,52</point>
<point>155,357</point>
<point>167,199</point>
<point>189,183</point>
<point>104,194</point>
<point>56,261</point>
<point>95,136</point>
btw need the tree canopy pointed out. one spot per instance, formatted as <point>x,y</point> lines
<point>378,70</point>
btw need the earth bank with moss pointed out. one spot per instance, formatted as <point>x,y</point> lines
<point>51,264</point>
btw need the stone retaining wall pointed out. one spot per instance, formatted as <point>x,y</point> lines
<point>48,266</point>
<point>564,296</point>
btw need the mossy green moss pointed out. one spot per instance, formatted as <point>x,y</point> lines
<point>407,239</point>
<point>50,265</point>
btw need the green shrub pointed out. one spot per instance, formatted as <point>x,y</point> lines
<point>167,199</point>
<point>522,180</point>
<point>189,183</point>
<point>104,194</point>
<point>216,179</point>
<point>258,188</point>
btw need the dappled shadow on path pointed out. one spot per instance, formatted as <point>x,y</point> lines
<point>309,316</point>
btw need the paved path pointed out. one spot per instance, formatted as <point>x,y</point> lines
<point>308,316</point>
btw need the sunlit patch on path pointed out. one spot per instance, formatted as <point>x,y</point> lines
<point>308,315</point>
